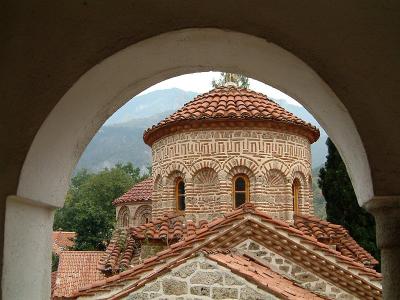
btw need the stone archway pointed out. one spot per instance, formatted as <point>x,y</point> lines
<point>108,85</point>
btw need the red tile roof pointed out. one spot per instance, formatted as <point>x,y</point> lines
<point>262,276</point>
<point>139,192</point>
<point>173,227</point>
<point>75,270</point>
<point>237,226</point>
<point>237,105</point>
<point>332,234</point>
<point>53,282</point>
<point>62,240</point>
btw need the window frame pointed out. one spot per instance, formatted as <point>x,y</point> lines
<point>296,185</point>
<point>246,190</point>
<point>177,195</point>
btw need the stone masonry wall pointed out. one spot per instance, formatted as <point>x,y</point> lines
<point>200,278</point>
<point>139,213</point>
<point>208,159</point>
<point>293,271</point>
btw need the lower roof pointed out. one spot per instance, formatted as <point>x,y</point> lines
<point>141,191</point>
<point>262,276</point>
<point>75,270</point>
<point>235,227</point>
<point>62,240</point>
<point>173,228</point>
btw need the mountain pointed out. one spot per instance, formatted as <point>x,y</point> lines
<point>121,142</point>
<point>319,200</point>
<point>319,149</point>
<point>151,104</point>
<point>120,139</point>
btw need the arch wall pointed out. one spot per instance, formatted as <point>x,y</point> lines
<point>104,88</point>
<point>108,85</point>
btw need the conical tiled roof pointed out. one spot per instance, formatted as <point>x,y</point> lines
<point>230,107</point>
<point>139,192</point>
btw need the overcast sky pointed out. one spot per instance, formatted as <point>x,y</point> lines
<point>201,83</point>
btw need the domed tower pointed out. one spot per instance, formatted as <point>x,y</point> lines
<point>227,147</point>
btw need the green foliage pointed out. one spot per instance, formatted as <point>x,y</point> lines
<point>88,208</point>
<point>54,262</point>
<point>341,202</point>
<point>240,80</point>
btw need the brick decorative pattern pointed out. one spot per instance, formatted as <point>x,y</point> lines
<point>138,213</point>
<point>208,159</point>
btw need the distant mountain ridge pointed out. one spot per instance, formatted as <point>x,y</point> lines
<point>151,104</point>
<point>120,139</point>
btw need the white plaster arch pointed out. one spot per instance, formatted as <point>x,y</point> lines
<point>104,88</point>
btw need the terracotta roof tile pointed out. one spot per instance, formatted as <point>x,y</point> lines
<point>237,222</point>
<point>335,235</point>
<point>53,282</point>
<point>76,269</point>
<point>260,275</point>
<point>233,104</point>
<point>119,255</point>
<point>62,240</point>
<point>139,192</point>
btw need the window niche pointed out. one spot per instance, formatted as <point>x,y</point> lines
<point>295,195</point>
<point>180,195</point>
<point>241,188</point>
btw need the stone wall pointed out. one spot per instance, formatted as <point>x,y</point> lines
<point>208,159</point>
<point>293,271</point>
<point>139,213</point>
<point>200,278</point>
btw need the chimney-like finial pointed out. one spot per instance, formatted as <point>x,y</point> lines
<point>230,84</point>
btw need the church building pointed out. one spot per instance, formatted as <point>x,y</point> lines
<point>228,213</point>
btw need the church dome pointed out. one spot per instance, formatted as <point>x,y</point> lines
<point>231,107</point>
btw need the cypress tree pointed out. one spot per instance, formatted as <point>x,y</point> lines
<point>341,202</point>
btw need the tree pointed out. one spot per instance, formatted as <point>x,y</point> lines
<point>88,208</point>
<point>341,202</point>
<point>54,262</point>
<point>240,80</point>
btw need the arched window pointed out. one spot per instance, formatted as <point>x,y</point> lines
<point>123,217</point>
<point>180,194</point>
<point>295,195</point>
<point>240,190</point>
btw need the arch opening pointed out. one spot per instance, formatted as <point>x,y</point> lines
<point>241,190</point>
<point>180,195</point>
<point>112,82</point>
<point>296,195</point>
<point>73,122</point>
